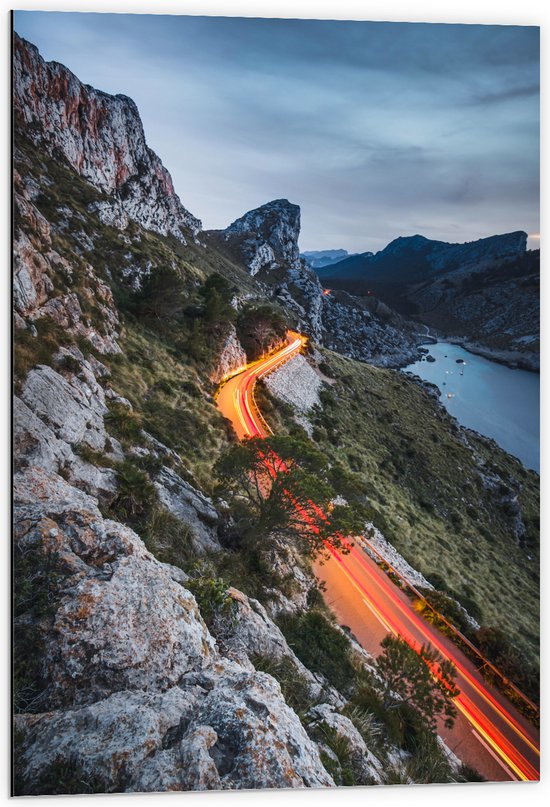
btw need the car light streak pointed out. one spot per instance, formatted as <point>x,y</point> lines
<point>235,399</point>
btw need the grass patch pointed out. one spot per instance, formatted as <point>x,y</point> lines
<point>320,646</point>
<point>381,425</point>
<point>294,687</point>
<point>36,581</point>
<point>29,350</point>
<point>169,402</point>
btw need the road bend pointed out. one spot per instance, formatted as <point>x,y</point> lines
<point>489,733</point>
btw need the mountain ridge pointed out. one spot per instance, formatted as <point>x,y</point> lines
<point>101,137</point>
<point>485,293</point>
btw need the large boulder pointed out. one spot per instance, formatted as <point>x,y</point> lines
<point>191,507</point>
<point>224,729</point>
<point>72,408</point>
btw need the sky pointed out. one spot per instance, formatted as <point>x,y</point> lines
<point>375,129</point>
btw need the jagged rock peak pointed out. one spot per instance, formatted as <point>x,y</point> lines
<point>273,230</point>
<point>101,136</point>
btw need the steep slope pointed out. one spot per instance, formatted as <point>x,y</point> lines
<point>101,137</point>
<point>137,665</point>
<point>266,241</point>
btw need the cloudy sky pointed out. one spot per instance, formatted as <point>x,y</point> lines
<point>375,129</point>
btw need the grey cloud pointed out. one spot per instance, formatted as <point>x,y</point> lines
<point>375,129</point>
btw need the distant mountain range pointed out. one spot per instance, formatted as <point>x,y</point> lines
<point>325,257</point>
<point>485,291</point>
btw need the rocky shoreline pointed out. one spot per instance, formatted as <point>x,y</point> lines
<point>514,359</point>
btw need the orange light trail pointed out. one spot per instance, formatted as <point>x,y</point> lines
<point>238,407</point>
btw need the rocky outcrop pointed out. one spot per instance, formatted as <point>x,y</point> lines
<point>376,541</point>
<point>191,507</point>
<point>40,271</point>
<point>266,237</point>
<point>266,241</point>
<point>232,357</point>
<point>74,411</point>
<point>224,729</point>
<point>59,411</point>
<point>101,137</point>
<point>297,384</point>
<point>246,632</point>
<point>133,684</point>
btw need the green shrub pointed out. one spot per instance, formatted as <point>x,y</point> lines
<point>65,776</point>
<point>341,769</point>
<point>97,458</point>
<point>69,363</point>
<point>320,647</point>
<point>294,687</point>
<point>36,581</point>
<point>211,595</point>
<point>29,350</point>
<point>167,537</point>
<point>135,495</point>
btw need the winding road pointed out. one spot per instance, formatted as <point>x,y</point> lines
<point>489,734</point>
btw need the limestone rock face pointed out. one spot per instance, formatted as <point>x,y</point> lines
<point>136,693</point>
<point>268,235</point>
<point>367,766</point>
<point>74,410</point>
<point>136,629</point>
<point>223,729</point>
<point>232,357</point>
<point>37,264</point>
<point>260,740</point>
<point>101,137</point>
<point>297,383</point>
<point>191,507</point>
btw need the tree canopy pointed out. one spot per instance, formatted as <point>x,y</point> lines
<point>423,680</point>
<point>281,485</point>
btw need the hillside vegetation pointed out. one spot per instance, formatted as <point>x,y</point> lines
<point>458,508</point>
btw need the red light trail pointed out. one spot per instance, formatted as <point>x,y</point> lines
<point>497,727</point>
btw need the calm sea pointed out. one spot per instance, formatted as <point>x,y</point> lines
<point>488,397</point>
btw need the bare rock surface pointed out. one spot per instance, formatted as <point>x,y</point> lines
<point>192,508</point>
<point>73,410</point>
<point>296,383</point>
<point>101,137</point>
<point>232,357</point>
<point>366,765</point>
<point>226,729</point>
<point>37,264</point>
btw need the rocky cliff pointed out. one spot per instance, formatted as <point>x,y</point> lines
<point>120,684</point>
<point>266,241</point>
<point>267,237</point>
<point>101,137</point>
